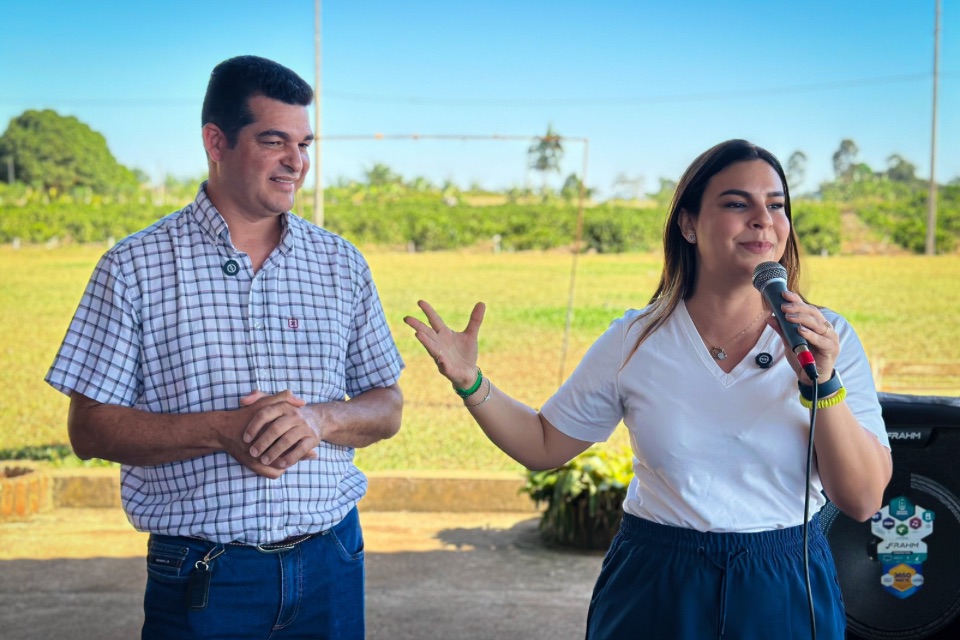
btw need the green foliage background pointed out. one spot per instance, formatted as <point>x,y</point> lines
<point>432,221</point>
<point>899,305</point>
<point>59,153</point>
<point>68,187</point>
<point>454,246</point>
<point>418,224</point>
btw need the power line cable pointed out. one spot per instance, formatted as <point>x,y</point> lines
<point>734,94</point>
<point>634,100</point>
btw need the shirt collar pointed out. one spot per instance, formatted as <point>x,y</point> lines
<point>209,219</point>
<point>215,227</point>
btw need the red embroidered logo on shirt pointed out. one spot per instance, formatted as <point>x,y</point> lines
<point>293,323</point>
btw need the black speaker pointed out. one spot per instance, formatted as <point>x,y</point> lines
<point>900,572</point>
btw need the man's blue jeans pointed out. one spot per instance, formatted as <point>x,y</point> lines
<point>312,590</point>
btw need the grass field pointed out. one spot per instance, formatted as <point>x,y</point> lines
<point>904,308</point>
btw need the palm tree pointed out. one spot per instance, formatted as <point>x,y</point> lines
<point>545,154</point>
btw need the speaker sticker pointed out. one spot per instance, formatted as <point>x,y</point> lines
<point>901,527</point>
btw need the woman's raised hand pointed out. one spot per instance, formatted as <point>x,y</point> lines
<point>455,353</point>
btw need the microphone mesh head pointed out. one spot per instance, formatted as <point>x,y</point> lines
<point>767,271</point>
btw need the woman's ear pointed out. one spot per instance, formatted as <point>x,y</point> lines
<point>686,227</point>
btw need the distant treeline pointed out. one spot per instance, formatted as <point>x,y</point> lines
<point>420,224</point>
<point>63,184</point>
<point>439,220</point>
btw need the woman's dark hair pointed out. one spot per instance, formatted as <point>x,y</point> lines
<point>233,82</point>
<point>679,276</point>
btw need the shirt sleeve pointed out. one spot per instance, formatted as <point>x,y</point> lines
<point>854,368</point>
<point>588,405</point>
<point>373,360</point>
<point>100,354</point>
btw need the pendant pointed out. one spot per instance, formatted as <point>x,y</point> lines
<point>718,353</point>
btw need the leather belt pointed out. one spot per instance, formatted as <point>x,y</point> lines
<point>272,547</point>
<point>283,545</point>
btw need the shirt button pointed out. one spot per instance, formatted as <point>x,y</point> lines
<point>257,326</point>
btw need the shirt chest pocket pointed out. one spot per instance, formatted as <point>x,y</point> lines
<point>311,356</point>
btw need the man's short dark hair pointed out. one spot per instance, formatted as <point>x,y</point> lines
<point>234,81</point>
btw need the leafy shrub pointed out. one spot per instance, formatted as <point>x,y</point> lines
<point>906,220</point>
<point>38,221</point>
<point>818,226</point>
<point>430,220</point>
<point>584,498</point>
<point>58,455</point>
<point>613,229</point>
<point>899,209</point>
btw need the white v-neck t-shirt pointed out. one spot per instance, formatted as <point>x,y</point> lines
<point>713,451</point>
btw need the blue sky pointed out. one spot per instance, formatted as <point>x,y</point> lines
<point>649,84</point>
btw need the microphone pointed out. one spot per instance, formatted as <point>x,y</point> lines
<point>770,279</point>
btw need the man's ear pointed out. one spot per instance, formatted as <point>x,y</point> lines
<point>214,141</point>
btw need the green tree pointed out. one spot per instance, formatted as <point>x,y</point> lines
<point>380,175</point>
<point>627,188</point>
<point>664,195</point>
<point>571,188</point>
<point>818,226</point>
<point>845,159</point>
<point>420,184</point>
<point>862,172</point>
<point>899,169</point>
<point>796,169</point>
<point>545,154</point>
<point>61,152</point>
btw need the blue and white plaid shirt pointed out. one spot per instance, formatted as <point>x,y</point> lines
<point>175,321</point>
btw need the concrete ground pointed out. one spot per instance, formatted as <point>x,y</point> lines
<point>79,574</point>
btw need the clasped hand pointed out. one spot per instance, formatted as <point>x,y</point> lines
<point>276,432</point>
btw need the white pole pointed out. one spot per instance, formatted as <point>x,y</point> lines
<point>317,130</point>
<point>931,245</point>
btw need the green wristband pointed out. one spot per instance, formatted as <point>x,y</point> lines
<point>463,393</point>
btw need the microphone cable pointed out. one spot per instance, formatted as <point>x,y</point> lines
<point>806,510</point>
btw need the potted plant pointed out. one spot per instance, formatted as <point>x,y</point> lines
<point>584,498</point>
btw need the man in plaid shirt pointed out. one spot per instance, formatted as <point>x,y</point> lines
<point>231,356</point>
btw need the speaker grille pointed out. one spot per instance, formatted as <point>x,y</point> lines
<point>929,476</point>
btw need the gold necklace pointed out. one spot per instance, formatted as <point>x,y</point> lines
<point>719,353</point>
